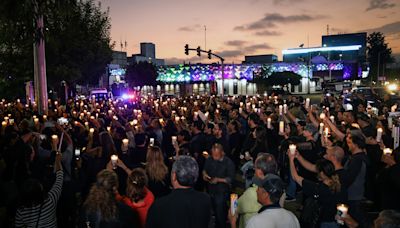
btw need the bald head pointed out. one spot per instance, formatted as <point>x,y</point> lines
<point>334,154</point>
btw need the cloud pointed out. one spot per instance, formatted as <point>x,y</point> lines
<point>334,30</point>
<point>268,33</point>
<point>235,43</point>
<point>189,28</point>
<point>380,4</point>
<point>282,2</point>
<point>270,20</point>
<point>231,53</point>
<point>256,47</point>
<point>246,50</point>
<point>388,29</point>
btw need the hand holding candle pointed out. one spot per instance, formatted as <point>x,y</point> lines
<point>379,132</point>
<point>114,160</point>
<point>292,149</point>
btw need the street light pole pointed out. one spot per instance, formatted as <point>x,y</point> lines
<point>222,77</point>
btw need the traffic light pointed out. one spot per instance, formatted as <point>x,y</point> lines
<point>187,49</point>
<point>209,54</point>
<point>198,51</point>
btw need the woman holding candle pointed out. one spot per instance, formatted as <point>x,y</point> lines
<point>329,190</point>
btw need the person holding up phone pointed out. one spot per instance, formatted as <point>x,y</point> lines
<point>37,208</point>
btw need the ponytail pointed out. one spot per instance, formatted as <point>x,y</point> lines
<point>335,184</point>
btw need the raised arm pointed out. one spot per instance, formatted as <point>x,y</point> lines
<point>293,170</point>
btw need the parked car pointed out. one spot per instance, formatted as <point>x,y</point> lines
<point>373,98</point>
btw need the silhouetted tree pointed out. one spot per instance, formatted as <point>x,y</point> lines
<point>378,51</point>
<point>141,74</point>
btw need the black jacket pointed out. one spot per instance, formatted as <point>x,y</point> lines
<point>182,208</point>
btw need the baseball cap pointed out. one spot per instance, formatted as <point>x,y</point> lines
<point>271,184</point>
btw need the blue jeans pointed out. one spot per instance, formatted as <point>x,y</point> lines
<point>329,225</point>
<point>291,188</point>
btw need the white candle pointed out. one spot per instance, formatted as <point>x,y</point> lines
<point>342,212</point>
<point>44,117</point>
<point>321,128</point>
<point>292,149</point>
<point>125,143</point>
<point>322,116</point>
<point>114,159</point>
<point>174,140</point>
<point>241,104</point>
<point>240,110</point>
<point>326,132</point>
<point>36,120</point>
<point>177,118</point>
<point>280,109</point>
<point>54,137</point>
<point>284,108</point>
<point>379,132</point>
<point>387,151</point>
<point>234,203</point>
<point>269,123</point>
<point>77,152</point>
<point>91,131</point>
<point>151,141</point>
<point>281,127</point>
<point>4,124</point>
<point>307,103</point>
<point>109,129</point>
<point>332,118</point>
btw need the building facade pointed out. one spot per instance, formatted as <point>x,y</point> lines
<point>147,54</point>
<point>207,78</point>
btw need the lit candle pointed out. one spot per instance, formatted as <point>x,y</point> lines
<point>174,140</point>
<point>322,116</point>
<point>280,109</point>
<point>292,149</point>
<point>91,131</point>
<point>114,159</point>
<point>109,129</point>
<point>342,212</point>
<point>44,117</point>
<point>284,108</point>
<point>55,103</point>
<point>332,118</point>
<point>281,127</point>
<point>234,203</point>
<point>54,137</point>
<point>125,143</point>
<point>240,110</point>
<point>307,103</point>
<point>269,123</point>
<point>36,121</point>
<point>77,152</point>
<point>326,132</point>
<point>4,124</point>
<point>151,141</point>
<point>241,104</point>
<point>379,132</point>
<point>387,151</point>
<point>161,120</point>
<point>321,128</point>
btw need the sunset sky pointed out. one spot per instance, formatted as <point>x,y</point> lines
<point>244,27</point>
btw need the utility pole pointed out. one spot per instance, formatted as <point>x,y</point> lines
<point>39,53</point>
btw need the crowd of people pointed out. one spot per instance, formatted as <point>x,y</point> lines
<point>200,161</point>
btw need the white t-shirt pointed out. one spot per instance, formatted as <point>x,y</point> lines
<point>274,218</point>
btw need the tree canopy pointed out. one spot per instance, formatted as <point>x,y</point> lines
<point>378,51</point>
<point>77,41</point>
<point>141,74</point>
<point>279,78</point>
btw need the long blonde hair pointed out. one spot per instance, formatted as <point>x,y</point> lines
<point>101,198</point>
<point>155,166</point>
